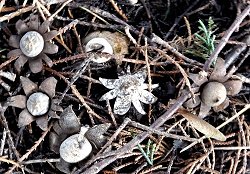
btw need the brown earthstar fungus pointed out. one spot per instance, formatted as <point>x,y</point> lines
<point>74,148</point>
<point>105,42</point>
<point>68,124</point>
<point>75,143</point>
<point>38,103</point>
<point>32,44</point>
<point>214,90</point>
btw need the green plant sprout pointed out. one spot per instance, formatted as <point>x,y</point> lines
<point>150,150</point>
<point>204,40</point>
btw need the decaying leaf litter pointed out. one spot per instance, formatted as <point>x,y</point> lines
<point>124,87</point>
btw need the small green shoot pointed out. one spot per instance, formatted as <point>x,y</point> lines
<point>204,40</point>
<point>150,150</point>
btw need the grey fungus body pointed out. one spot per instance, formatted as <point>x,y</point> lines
<point>75,148</point>
<point>213,94</point>
<point>32,43</point>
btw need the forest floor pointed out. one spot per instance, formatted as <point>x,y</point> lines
<point>160,116</point>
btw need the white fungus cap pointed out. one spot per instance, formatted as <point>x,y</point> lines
<point>32,43</point>
<point>38,104</point>
<point>132,2</point>
<point>213,94</point>
<point>75,148</point>
<point>107,48</point>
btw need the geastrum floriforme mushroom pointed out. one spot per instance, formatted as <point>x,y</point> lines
<point>77,147</point>
<point>74,148</point>
<point>73,142</point>
<point>66,125</point>
<point>38,103</point>
<point>69,124</point>
<point>127,89</point>
<point>214,90</point>
<point>32,44</point>
<point>105,42</point>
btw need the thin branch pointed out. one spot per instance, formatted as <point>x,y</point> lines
<point>177,20</point>
<point>226,37</point>
<point>16,13</point>
<point>41,161</point>
<point>158,40</point>
<point>6,126</point>
<point>60,9</point>
<point>165,134</point>
<point>98,166</point>
<point>247,106</point>
<point>33,148</point>
<point>2,159</point>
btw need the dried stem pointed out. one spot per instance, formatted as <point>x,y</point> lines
<point>158,40</point>
<point>247,106</point>
<point>5,124</point>
<point>226,37</point>
<point>119,11</point>
<point>97,167</point>
<point>33,148</point>
<point>16,13</point>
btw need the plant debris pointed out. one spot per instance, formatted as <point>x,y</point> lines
<point>8,75</point>
<point>202,126</point>
<point>124,86</point>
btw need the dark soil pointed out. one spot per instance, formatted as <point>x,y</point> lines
<point>27,150</point>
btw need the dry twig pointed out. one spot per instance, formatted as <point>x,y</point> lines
<point>247,106</point>
<point>119,11</point>
<point>114,155</point>
<point>226,37</point>
<point>33,148</point>
<point>16,13</point>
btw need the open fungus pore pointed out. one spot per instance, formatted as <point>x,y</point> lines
<point>105,42</point>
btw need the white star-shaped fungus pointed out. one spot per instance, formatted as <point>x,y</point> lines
<point>127,89</point>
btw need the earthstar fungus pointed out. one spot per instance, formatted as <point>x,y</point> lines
<point>76,147</point>
<point>127,89</point>
<point>38,103</point>
<point>79,146</point>
<point>66,125</point>
<point>214,90</point>
<point>105,42</point>
<point>69,124</point>
<point>32,44</point>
